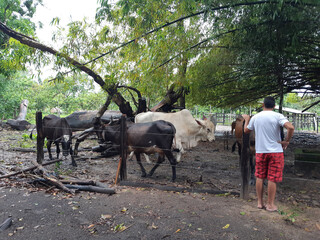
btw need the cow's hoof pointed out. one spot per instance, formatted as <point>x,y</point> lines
<point>149,174</point>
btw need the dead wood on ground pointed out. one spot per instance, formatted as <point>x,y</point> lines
<point>51,179</point>
<point>29,169</point>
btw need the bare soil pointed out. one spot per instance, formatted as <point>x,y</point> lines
<point>144,212</point>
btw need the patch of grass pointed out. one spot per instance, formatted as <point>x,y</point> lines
<point>57,168</point>
<point>26,141</point>
<point>289,215</point>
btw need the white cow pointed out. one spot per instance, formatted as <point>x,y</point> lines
<point>189,131</point>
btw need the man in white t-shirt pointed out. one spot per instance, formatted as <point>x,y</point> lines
<point>269,149</point>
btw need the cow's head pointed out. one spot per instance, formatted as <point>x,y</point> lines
<point>66,142</point>
<point>207,130</point>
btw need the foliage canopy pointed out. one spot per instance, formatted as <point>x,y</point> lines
<point>228,53</point>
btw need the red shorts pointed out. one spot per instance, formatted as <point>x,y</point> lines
<point>270,166</point>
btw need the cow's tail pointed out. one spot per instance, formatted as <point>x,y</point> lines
<point>234,146</point>
<point>31,132</point>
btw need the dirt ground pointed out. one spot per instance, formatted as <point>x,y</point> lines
<point>141,212</point>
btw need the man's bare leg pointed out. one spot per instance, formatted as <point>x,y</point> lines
<point>259,190</point>
<point>272,188</point>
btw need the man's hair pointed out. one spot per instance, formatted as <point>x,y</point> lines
<point>269,102</point>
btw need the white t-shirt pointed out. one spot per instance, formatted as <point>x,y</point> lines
<point>267,131</point>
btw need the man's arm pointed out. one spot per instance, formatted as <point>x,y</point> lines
<point>290,130</point>
<point>246,122</point>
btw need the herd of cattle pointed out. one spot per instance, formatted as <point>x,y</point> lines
<point>151,132</point>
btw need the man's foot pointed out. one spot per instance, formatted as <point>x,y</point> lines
<point>261,207</point>
<point>271,208</point>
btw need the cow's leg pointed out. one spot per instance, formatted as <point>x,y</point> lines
<point>143,171</point>
<point>233,148</point>
<point>72,158</point>
<point>239,148</point>
<point>81,138</point>
<point>147,158</point>
<point>49,149</point>
<point>160,160</point>
<point>58,149</point>
<point>76,146</point>
<point>131,156</point>
<point>173,163</point>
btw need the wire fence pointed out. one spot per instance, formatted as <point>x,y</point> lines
<point>199,167</point>
<point>223,134</point>
<point>301,121</point>
<point>220,116</point>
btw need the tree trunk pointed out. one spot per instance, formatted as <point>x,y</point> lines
<point>166,104</point>
<point>23,110</point>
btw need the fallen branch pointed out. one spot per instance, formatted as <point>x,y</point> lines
<point>68,179</point>
<point>91,188</point>
<point>79,182</point>
<point>100,184</point>
<point>52,179</point>
<point>29,169</point>
<point>82,185</point>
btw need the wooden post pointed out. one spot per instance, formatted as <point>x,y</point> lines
<point>40,138</point>
<point>123,148</point>
<point>225,140</point>
<point>223,117</point>
<point>244,163</point>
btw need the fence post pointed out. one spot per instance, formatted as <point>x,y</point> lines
<point>40,138</point>
<point>123,148</point>
<point>223,117</point>
<point>244,160</point>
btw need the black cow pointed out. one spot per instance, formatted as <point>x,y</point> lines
<point>57,130</point>
<point>150,137</point>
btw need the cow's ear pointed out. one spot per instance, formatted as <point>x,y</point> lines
<point>200,123</point>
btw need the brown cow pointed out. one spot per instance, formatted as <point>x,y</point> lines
<point>238,130</point>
